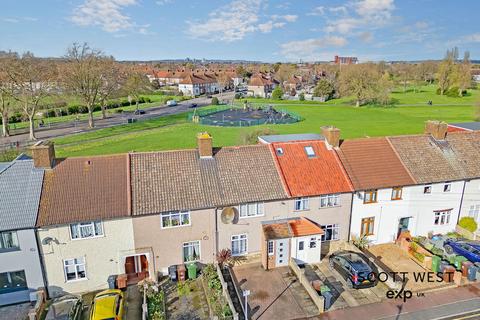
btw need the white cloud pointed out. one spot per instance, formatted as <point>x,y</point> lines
<point>339,9</point>
<point>105,13</point>
<point>475,37</point>
<point>11,20</point>
<point>235,20</point>
<point>366,36</point>
<point>376,9</point>
<point>317,11</point>
<point>163,2</point>
<point>311,49</point>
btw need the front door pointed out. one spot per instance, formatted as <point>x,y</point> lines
<point>301,250</point>
<point>281,253</point>
<point>403,225</point>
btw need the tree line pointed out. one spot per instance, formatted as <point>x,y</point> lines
<point>86,73</point>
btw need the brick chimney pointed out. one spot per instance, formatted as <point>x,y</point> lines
<point>332,136</point>
<point>205,145</point>
<point>438,129</point>
<point>43,153</point>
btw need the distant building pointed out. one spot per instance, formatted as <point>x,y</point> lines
<point>261,85</point>
<point>476,75</point>
<point>345,60</point>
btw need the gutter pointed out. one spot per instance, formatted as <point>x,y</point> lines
<point>42,263</point>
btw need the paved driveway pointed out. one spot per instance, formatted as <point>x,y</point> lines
<point>14,312</point>
<point>275,294</point>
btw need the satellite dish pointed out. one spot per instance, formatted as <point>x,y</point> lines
<point>47,240</point>
<point>229,215</point>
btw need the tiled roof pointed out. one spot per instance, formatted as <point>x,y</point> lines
<point>372,163</point>
<point>289,228</point>
<point>466,146</point>
<point>467,126</point>
<point>290,137</point>
<point>427,159</point>
<point>180,180</point>
<point>308,176</point>
<point>20,188</point>
<point>259,81</point>
<point>85,189</point>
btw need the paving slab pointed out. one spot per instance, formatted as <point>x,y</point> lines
<point>16,311</point>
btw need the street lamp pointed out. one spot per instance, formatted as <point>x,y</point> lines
<point>246,293</point>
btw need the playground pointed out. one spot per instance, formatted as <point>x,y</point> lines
<point>234,116</point>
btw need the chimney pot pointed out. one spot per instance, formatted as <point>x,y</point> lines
<point>332,136</point>
<point>43,153</point>
<point>438,129</point>
<point>205,145</point>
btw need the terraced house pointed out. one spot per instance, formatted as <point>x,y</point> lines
<point>20,267</point>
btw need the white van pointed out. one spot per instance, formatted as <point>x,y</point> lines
<point>171,103</point>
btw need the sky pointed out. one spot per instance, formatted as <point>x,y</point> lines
<point>259,30</point>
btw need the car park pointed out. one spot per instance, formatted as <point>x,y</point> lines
<point>68,307</point>
<point>108,304</point>
<point>355,268</point>
<point>469,250</point>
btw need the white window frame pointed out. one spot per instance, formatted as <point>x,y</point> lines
<point>310,151</point>
<point>333,227</point>
<point>15,244</point>
<point>326,199</point>
<point>199,251</point>
<point>448,186</point>
<point>246,207</point>
<point>173,213</point>
<point>75,265</point>
<point>81,225</point>
<point>444,218</point>
<point>474,212</point>
<point>304,204</point>
<point>239,238</point>
<point>271,247</point>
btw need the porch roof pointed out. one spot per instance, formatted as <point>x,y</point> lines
<point>290,228</point>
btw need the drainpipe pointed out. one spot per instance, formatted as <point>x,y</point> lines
<point>42,264</point>
<point>216,231</point>
<point>350,223</point>
<point>461,200</point>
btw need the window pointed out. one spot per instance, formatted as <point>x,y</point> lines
<point>279,151</point>
<point>175,219</point>
<point>397,193</point>
<point>8,241</point>
<point>86,230</point>
<point>313,243</point>
<point>270,247</point>
<point>427,189</point>
<point>301,204</point>
<point>331,232</point>
<point>191,251</point>
<point>442,217</point>
<point>370,196</point>
<point>300,245</point>
<point>474,212</point>
<point>309,151</point>
<point>251,209</point>
<point>239,244</point>
<point>447,187</point>
<point>330,200</point>
<point>74,269</point>
<point>13,281</point>
<point>367,226</point>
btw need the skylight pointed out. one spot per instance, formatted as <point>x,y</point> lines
<point>310,152</point>
<point>280,151</point>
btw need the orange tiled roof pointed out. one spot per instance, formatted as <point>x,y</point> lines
<point>308,176</point>
<point>304,227</point>
<point>290,228</point>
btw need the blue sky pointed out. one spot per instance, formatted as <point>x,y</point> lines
<point>266,30</point>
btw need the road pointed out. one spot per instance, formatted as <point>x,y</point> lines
<point>114,119</point>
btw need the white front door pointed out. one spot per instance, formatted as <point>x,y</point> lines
<point>281,252</point>
<point>301,250</point>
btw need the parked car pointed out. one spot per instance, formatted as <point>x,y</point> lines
<point>355,268</point>
<point>139,112</point>
<point>209,96</point>
<point>171,103</point>
<point>108,304</point>
<point>468,249</point>
<point>193,105</point>
<point>68,307</point>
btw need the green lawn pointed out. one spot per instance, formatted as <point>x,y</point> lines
<point>173,132</point>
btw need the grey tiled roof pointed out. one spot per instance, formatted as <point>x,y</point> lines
<point>180,180</point>
<point>467,125</point>
<point>20,189</point>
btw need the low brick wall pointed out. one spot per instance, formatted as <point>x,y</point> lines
<point>226,294</point>
<point>299,273</point>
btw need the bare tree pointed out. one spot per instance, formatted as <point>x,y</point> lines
<point>464,74</point>
<point>446,70</point>
<point>32,80</point>
<point>113,77</point>
<point>224,81</point>
<point>82,75</point>
<point>5,96</point>
<point>136,84</point>
<point>284,72</point>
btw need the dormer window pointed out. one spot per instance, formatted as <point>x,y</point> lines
<point>309,151</point>
<point>279,151</point>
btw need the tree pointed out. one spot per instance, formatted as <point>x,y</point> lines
<point>32,80</point>
<point>324,88</point>
<point>82,75</point>
<point>284,72</point>
<point>464,74</point>
<point>224,81</point>
<point>446,70</point>
<point>404,74</point>
<point>360,81</point>
<point>277,93</point>
<point>136,84</point>
<point>5,96</point>
<point>113,77</point>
